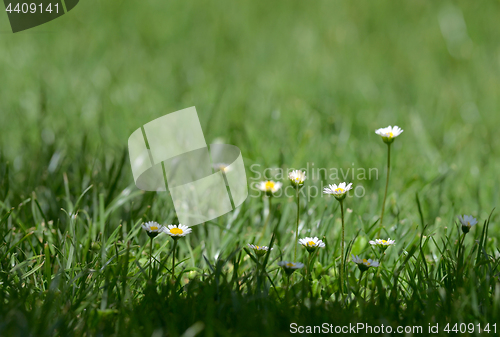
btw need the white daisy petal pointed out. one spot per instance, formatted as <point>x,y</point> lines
<point>259,250</point>
<point>467,221</point>
<point>339,191</point>
<point>269,186</point>
<point>364,264</point>
<point>389,133</point>
<point>290,267</point>
<point>382,244</point>
<point>152,228</point>
<point>177,231</point>
<point>297,178</point>
<point>311,243</point>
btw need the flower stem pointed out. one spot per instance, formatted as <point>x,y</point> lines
<point>287,287</point>
<point>381,257</point>
<point>386,183</point>
<point>150,257</point>
<point>461,253</point>
<point>342,245</point>
<point>297,227</point>
<point>267,221</point>
<point>309,271</point>
<point>366,286</point>
<point>359,283</point>
<point>173,258</point>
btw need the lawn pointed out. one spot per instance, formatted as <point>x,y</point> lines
<point>295,85</point>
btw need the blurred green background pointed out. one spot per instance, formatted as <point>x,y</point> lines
<point>288,82</point>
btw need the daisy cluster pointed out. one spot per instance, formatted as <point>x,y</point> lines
<point>153,228</point>
<point>297,179</point>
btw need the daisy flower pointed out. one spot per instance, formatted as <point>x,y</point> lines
<point>177,231</point>
<point>222,167</point>
<point>311,244</point>
<point>382,244</point>
<point>339,191</point>
<point>364,264</point>
<point>269,187</point>
<point>259,250</point>
<point>389,133</point>
<point>152,228</point>
<point>290,267</point>
<point>297,178</point>
<point>467,222</point>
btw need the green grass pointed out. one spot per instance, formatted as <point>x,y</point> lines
<point>289,83</point>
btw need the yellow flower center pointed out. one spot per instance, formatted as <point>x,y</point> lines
<point>367,263</point>
<point>290,265</point>
<point>383,241</point>
<point>269,185</point>
<point>297,178</point>
<point>176,231</point>
<point>468,223</point>
<point>153,228</point>
<point>339,190</point>
<point>311,243</point>
<point>257,247</point>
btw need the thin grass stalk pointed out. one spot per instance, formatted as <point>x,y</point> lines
<point>342,248</point>
<point>150,258</point>
<point>266,222</point>
<point>366,286</point>
<point>297,226</point>
<point>386,183</point>
<point>359,283</point>
<point>380,258</point>
<point>309,260</point>
<point>461,249</point>
<point>173,258</point>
